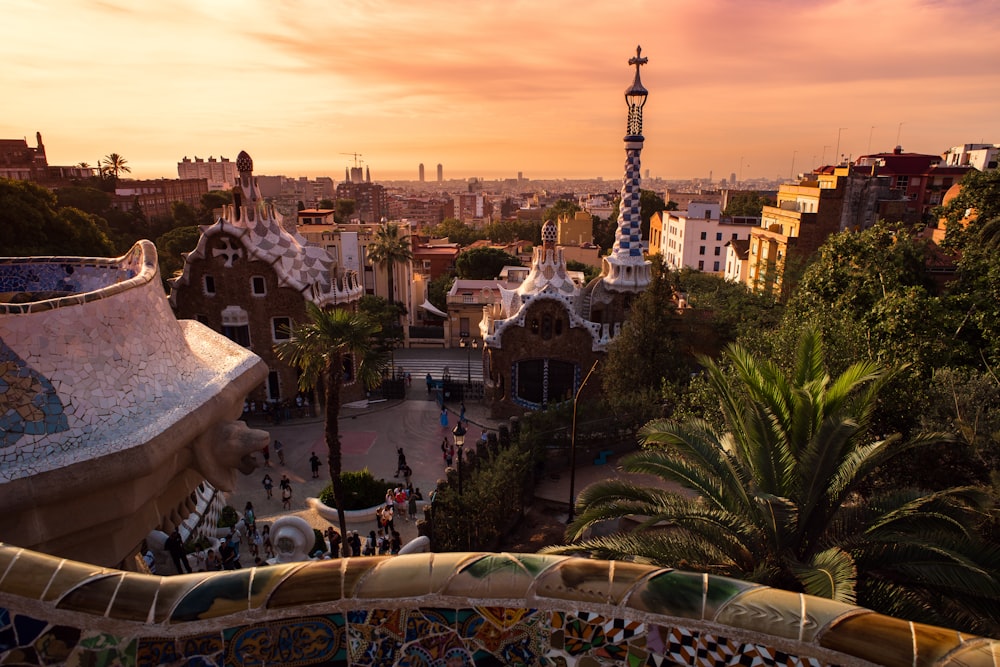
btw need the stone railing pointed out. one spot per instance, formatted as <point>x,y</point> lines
<point>444,609</point>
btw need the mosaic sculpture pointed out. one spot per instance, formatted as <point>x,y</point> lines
<point>445,609</point>
<point>113,414</point>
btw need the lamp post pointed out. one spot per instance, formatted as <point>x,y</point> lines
<point>469,347</point>
<point>459,433</point>
<point>572,447</point>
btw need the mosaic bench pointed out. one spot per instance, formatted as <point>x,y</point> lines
<point>444,609</point>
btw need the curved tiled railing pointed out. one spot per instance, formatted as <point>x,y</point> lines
<point>444,609</point>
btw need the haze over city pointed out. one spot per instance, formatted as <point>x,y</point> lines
<point>762,89</point>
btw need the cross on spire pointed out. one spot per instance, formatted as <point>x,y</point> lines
<point>638,60</point>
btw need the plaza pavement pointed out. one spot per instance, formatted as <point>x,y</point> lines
<point>369,438</point>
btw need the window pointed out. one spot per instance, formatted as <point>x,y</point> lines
<point>717,249</point>
<point>701,250</point>
<point>901,182</point>
<point>715,266</point>
<point>704,235</point>
<point>273,386</point>
<point>238,334</point>
<point>463,327</point>
<point>718,236</point>
<point>427,265</point>
<point>209,284</point>
<point>258,285</point>
<point>467,297</point>
<point>735,236</point>
<point>280,327</point>
<point>701,265</point>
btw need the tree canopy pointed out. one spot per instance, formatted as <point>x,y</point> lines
<point>773,498</point>
<point>457,231</point>
<point>483,263</point>
<point>31,225</point>
<point>746,203</point>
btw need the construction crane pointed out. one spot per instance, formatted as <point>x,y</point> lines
<point>356,156</point>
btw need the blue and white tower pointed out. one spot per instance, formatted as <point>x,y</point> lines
<point>626,269</point>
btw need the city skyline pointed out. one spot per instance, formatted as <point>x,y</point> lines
<point>761,90</point>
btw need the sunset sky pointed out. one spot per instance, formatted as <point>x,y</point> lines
<point>759,87</point>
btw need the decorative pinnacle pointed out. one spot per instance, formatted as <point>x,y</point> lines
<point>638,61</point>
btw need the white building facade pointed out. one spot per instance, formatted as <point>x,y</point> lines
<point>697,238</point>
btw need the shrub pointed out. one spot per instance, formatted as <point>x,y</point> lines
<point>361,490</point>
<point>228,517</point>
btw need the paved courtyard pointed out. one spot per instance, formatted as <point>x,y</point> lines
<point>369,439</point>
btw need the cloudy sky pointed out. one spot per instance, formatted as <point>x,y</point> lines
<point>759,87</point>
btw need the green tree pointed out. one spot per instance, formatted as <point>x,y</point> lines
<point>651,334</point>
<point>649,203</point>
<point>589,271</point>
<point>344,210</point>
<point>30,225</point>
<point>773,498</point>
<point>210,202</point>
<point>330,345</point>
<point>562,207</point>
<point>507,231</point>
<point>113,166</point>
<point>746,203</point>
<point>390,247</point>
<point>973,222</point>
<point>437,291</point>
<point>483,263</point>
<point>172,245</point>
<point>87,199</point>
<point>457,231</point>
<point>326,204</point>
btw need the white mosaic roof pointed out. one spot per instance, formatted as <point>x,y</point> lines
<point>306,268</point>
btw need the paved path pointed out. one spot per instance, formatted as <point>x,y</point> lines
<point>369,438</point>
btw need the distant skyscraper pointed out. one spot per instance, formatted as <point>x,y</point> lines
<point>647,173</point>
<point>520,176</point>
<point>440,173</point>
<point>732,178</point>
<point>421,172</point>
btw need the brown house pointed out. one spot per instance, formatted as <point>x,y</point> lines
<point>250,280</point>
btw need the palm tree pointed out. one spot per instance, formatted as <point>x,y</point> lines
<point>389,248</point>
<point>115,165</point>
<point>322,348</point>
<point>775,498</point>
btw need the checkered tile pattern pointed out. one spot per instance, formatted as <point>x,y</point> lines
<point>628,237</point>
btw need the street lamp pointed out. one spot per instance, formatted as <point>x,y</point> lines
<point>572,447</point>
<point>459,433</point>
<point>469,347</point>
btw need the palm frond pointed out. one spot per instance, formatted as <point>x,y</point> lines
<point>829,574</point>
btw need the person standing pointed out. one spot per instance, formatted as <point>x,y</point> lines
<point>314,464</point>
<point>286,496</point>
<point>411,501</point>
<point>444,417</point>
<point>249,517</point>
<point>175,547</point>
<point>279,449</point>
<point>268,485</point>
<point>461,415</point>
<point>400,461</point>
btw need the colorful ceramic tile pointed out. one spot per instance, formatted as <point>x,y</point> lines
<point>303,641</point>
<point>874,637</point>
<point>295,586</point>
<point>104,650</point>
<point>93,596</point>
<point>212,596</point>
<point>154,651</point>
<point>576,579</point>
<point>29,404</point>
<point>766,610</point>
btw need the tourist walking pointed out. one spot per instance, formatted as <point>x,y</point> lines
<point>279,449</point>
<point>268,485</point>
<point>314,464</point>
<point>286,496</point>
<point>175,547</point>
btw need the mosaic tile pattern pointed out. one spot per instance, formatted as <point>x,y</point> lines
<point>77,375</point>
<point>258,227</point>
<point>443,610</point>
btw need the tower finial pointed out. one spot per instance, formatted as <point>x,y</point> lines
<point>638,61</point>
